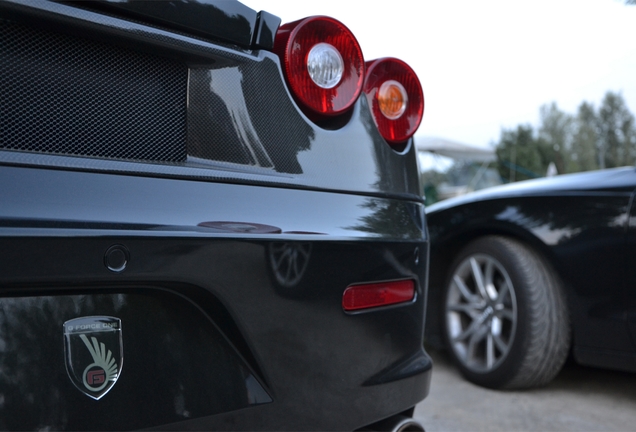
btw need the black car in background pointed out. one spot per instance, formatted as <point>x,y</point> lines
<point>525,273</point>
<point>208,220</point>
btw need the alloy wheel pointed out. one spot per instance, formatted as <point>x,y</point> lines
<point>481,313</point>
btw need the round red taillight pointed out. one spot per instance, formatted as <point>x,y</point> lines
<point>395,97</point>
<point>323,64</point>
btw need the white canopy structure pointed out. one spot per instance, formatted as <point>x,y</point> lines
<point>455,150</point>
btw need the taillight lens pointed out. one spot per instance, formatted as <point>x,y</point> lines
<point>365,296</point>
<point>323,64</point>
<point>396,99</point>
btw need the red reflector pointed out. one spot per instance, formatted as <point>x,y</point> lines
<point>365,296</point>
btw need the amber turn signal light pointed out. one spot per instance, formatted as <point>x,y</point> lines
<point>396,99</point>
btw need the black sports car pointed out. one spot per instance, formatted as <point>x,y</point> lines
<point>521,274</point>
<point>208,220</point>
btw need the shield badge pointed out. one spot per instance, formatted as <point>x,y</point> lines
<point>93,349</point>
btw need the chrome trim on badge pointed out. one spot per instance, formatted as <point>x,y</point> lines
<point>94,354</point>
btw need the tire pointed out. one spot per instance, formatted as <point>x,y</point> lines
<point>511,330</point>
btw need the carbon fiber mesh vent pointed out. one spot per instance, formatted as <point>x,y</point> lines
<point>65,95</point>
<point>243,114</point>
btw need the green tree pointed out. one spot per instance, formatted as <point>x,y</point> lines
<point>617,138</point>
<point>520,155</point>
<point>555,136</point>
<point>590,140</point>
<point>429,181</point>
<point>584,154</point>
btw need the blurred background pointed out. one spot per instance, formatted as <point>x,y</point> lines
<point>513,90</point>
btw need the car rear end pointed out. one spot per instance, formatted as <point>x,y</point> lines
<point>192,236</point>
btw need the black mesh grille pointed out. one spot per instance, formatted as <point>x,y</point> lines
<point>65,95</point>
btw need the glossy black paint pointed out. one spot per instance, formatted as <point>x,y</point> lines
<point>267,26</point>
<point>311,356</point>
<point>284,148</point>
<point>580,224</point>
<point>630,276</point>
<point>200,250</point>
<point>186,373</point>
<point>228,21</point>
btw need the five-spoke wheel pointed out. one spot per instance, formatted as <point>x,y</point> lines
<point>505,317</point>
<point>481,312</point>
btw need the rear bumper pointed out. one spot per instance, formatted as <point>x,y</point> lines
<point>215,335</point>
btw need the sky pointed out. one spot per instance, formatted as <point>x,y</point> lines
<point>485,65</point>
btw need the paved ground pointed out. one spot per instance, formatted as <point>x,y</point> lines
<point>579,399</point>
